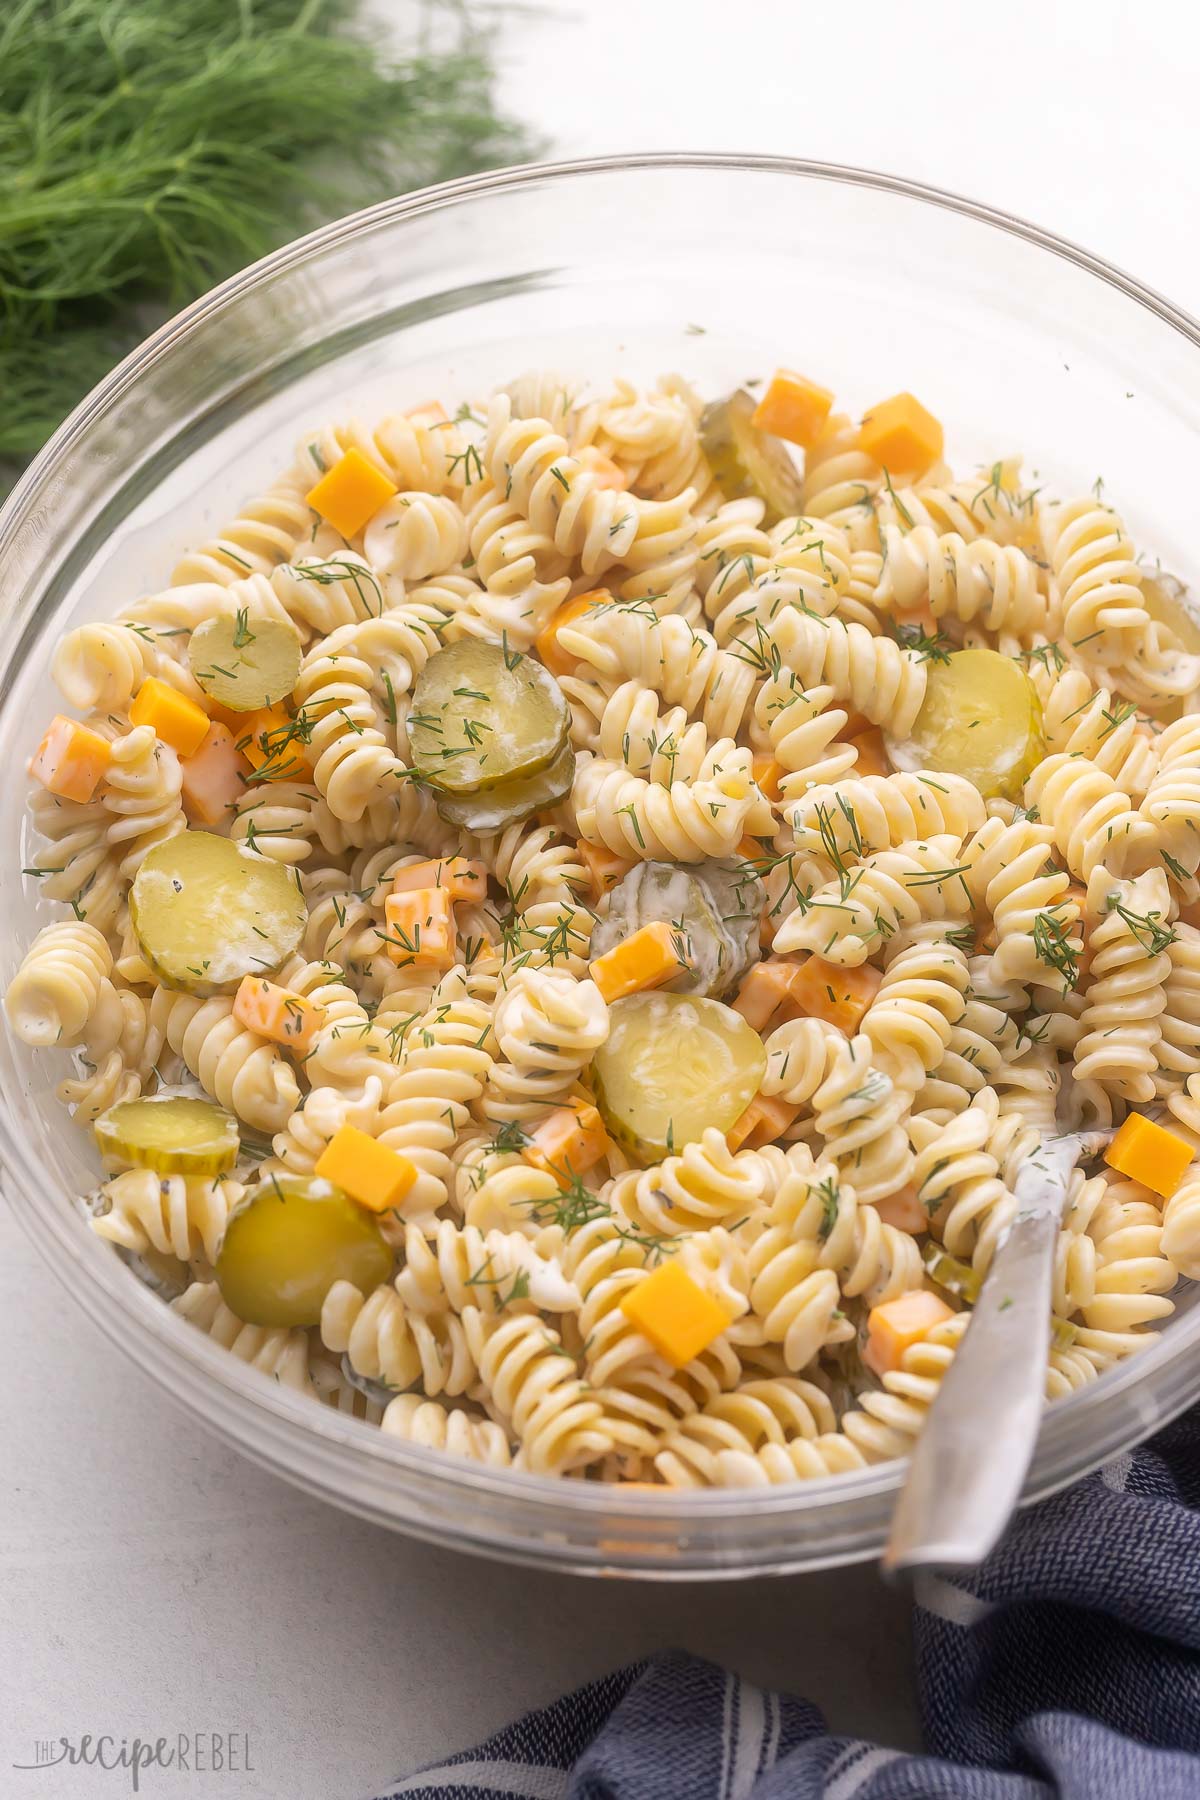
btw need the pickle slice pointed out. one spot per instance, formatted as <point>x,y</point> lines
<point>497,807</point>
<point>206,911</point>
<point>245,664</point>
<point>1169,603</point>
<point>981,717</point>
<point>952,1276</point>
<point>287,1244</point>
<point>174,1134</point>
<point>483,716</point>
<point>706,904</point>
<point>673,1065</point>
<point>747,462</point>
<point>738,897</point>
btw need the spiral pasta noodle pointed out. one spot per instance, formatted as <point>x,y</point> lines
<point>282,1355</point>
<point>57,988</point>
<point>859,1112</point>
<point>176,1215</point>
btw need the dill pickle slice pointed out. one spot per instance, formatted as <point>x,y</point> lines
<point>1168,602</point>
<point>483,716</point>
<point>952,1276</point>
<point>738,897</point>
<point>286,1245</point>
<point>174,1134</point>
<point>746,462</point>
<point>511,801</point>
<point>206,911</point>
<point>245,664</point>
<point>713,924</point>
<point>673,1065</point>
<point>981,717</point>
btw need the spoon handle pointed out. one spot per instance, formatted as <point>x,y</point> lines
<point>969,1463</point>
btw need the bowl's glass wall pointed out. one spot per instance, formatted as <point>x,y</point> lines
<point>714,269</point>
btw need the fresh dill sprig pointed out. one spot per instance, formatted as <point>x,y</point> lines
<point>147,151</point>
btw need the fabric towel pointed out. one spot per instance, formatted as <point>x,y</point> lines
<point>1066,1668</point>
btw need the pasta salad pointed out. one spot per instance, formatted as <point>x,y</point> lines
<point>574,913</point>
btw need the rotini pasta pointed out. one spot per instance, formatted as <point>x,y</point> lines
<point>380,1116</point>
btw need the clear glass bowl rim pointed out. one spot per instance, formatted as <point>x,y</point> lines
<point>583,1527</point>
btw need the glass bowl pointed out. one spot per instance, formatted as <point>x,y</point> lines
<point>721,267</point>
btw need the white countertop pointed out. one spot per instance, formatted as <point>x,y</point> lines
<point>153,1582</point>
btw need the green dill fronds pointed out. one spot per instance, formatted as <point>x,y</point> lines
<point>148,151</point>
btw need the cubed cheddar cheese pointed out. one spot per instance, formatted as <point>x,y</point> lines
<point>605,867</point>
<point>897,1325</point>
<point>378,1178</point>
<point>794,408</point>
<point>675,1313</point>
<point>272,744</point>
<point>1149,1153</point>
<point>765,989</point>
<point>766,772</point>
<point>350,493</point>
<point>214,778</point>
<point>171,716</point>
<point>904,1211</point>
<point>546,643</point>
<point>420,928</point>
<point>570,1141</point>
<point>872,756</point>
<point>71,760</point>
<point>764,1121</point>
<point>645,960</point>
<point>277,1013</point>
<point>462,878</point>
<point>824,990</point>
<point>902,435</point>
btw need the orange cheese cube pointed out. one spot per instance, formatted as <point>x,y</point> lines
<point>765,988</point>
<point>569,1142</point>
<point>420,928</point>
<point>171,716</point>
<point>901,435</point>
<point>766,772</point>
<point>872,757</point>
<point>794,408</point>
<point>272,743</point>
<point>1148,1153</point>
<point>546,643</point>
<point>823,990</point>
<point>214,778</point>
<point>675,1313</point>
<point>71,759</point>
<point>350,493</point>
<point>277,1013</point>
<point>378,1178</point>
<point>645,960</point>
<point>764,1121</point>
<point>898,1324</point>
<point>751,850</point>
<point>903,1210</point>
<point>462,878</point>
<point>604,867</point>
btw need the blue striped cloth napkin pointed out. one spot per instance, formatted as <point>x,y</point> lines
<point>1066,1668</point>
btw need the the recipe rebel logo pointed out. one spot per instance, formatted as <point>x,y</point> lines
<point>188,1752</point>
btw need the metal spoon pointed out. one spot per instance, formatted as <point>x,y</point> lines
<point>969,1463</point>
